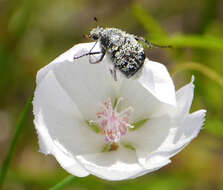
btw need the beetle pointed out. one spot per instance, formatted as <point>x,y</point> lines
<point>124,50</point>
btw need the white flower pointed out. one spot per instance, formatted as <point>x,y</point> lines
<point>112,129</point>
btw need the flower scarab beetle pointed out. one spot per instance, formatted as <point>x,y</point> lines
<point>125,51</point>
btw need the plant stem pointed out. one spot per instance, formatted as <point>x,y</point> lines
<point>67,181</point>
<point>11,150</point>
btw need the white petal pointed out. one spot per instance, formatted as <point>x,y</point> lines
<point>55,113</point>
<point>181,135</point>
<point>185,126</point>
<point>174,139</point>
<point>190,127</point>
<point>87,84</point>
<point>139,98</point>
<point>147,140</point>
<point>115,165</point>
<point>48,146</point>
<point>156,79</point>
<point>184,98</point>
<point>68,56</point>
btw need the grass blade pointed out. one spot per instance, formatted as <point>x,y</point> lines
<point>147,21</point>
<point>67,181</point>
<point>193,41</point>
<point>9,155</point>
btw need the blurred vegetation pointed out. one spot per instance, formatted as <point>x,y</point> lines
<point>34,32</point>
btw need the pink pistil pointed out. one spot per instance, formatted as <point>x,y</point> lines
<point>113,124</point>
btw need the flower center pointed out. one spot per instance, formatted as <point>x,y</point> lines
<point>113,124</point>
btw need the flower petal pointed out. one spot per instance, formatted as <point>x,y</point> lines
<point>68,56</point>
<point>167,139</point>
<point>87,84</point>
<point>139,98</point>
<point>115,165</point>
<point>180,135</point>
<point>55,113</point>
<point>48,146</point>
<point>147,140</point>
<point>156,79</point>
<point>190,127</point>
<point>184,98</point>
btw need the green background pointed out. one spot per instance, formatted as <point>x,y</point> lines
<point>34,32</point>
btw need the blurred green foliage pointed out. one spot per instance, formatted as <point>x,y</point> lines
<point>34,32</point>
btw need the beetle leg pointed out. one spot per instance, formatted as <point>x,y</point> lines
<point>113,73</point>
<point>150,44</point>
<point>89,53</point>
<point>97,61</point>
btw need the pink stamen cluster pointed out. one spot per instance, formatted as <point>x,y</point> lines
<point>114,125</point>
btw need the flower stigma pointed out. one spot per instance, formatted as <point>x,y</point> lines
<point>113,124</point>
